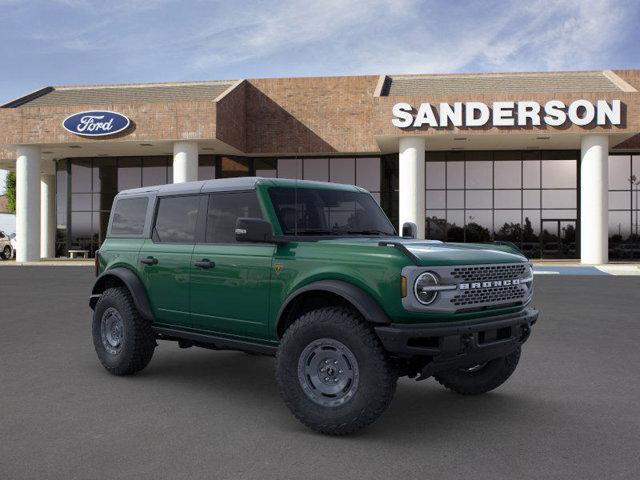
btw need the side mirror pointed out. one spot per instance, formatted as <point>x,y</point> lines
<point>409,230</point>
<point>255,230</point>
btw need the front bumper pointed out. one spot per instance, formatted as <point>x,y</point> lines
<point>459,344</point>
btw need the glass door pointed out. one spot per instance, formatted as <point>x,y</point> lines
<point>558,238</point>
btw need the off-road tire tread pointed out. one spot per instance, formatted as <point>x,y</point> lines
<point>140,336</point>
<point>386,375</point>
<point>498,371</point>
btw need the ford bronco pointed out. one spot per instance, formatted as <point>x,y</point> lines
<point>315,274</point>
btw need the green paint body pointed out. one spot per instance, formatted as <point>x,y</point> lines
<point>243,295</point>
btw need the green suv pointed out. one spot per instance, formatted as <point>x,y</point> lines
<point>315,274</point>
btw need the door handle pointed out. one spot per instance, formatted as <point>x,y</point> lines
<point>149,261</point>
<point>204,263</point>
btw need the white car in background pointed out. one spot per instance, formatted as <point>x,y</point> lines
<point>7,245</point>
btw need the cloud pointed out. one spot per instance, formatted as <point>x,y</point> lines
<point>539,35</point>
<point>83,41</point>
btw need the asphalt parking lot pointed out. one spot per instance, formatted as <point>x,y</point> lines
<point>571,410</point>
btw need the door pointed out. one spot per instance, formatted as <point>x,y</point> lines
<point>230,281</point>
<point>558,238</point>
<point>166,259</point>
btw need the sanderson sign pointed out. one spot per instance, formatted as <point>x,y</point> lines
<point>507,114</point>
<point>96,123</point>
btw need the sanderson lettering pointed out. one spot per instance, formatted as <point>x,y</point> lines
<point>554,113</point>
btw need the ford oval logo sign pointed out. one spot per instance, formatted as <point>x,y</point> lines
<point>96,124</point>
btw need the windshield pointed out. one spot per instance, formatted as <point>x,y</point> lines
<point>316,211</point>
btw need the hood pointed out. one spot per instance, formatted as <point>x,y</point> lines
<point>436,253</point>
<point>433,252</point>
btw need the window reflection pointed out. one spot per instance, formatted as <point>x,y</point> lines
<point>486,196</point>
<point>624,201</point>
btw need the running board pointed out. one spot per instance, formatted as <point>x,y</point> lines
<point>216,342</point>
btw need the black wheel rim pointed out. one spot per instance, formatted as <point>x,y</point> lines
<point>328,372</point>
<point>112,330</point>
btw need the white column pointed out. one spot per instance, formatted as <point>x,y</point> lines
<point>594,210</point>
<point>28,203</point>
<point>185,161</point>
<point>47,215</point>
<point>412,182</point>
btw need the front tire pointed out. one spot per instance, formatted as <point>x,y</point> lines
<point>480,378</point>
<point>123,339</point>
<point>333,373</point>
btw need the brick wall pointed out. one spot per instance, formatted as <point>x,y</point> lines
<point>313,115</point>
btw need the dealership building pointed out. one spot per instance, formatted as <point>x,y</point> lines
<point>549,161</point>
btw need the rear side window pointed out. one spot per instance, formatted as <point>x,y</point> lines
<point>176,219</point>
<point>129,215</point>
<point>224,210</point>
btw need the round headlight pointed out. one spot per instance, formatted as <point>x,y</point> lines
<point>422,288</point>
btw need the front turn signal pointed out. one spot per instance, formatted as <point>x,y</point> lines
<point>403,286</point>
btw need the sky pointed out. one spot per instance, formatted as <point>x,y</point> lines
<point>71,42</point>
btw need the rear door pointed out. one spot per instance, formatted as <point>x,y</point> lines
<point>165,258</point>
<point>230,281</point>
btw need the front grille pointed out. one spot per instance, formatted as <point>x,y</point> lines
<point>488,272</point>
<point>494,295</point>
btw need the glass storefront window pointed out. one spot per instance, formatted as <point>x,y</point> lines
<point>619,172</point>
<point>507,199</point>
<point>436,199</point>
<point>206,168</point>
<point>507,174</point>
<point>154,171</point>
<point>559,174</point>
<point>478,174</point>
<point>455,198</point>
<point>531,174</point>
<point>233,167</point>
<point>81,175</point>
<point>316,169</point>
<point>368,173</point>
<point>455,174</point>
<point>479,225</point>
<point>478,199</point>
<point>290,168</point>
<point>435,173</point>
<point>531,198</point>
<point>266,167</point>
<point>624,202</point>
<point>342,170</point>
<point>497,196</point>
<point>129,173</point>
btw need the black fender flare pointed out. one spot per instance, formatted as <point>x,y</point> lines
<point>133,284</point>
<point>370,310</point>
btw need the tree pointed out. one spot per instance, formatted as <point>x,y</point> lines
<point>476,233</point>
<point>11,192</point>
<point>528,234</point>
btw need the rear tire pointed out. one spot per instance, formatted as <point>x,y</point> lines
<point>482,378</point>
<point>7,253</point>
<point>123,339</point>
<point>333,373</point>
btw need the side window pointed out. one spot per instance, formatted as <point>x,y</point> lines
<point>129,215</point>
<point>176,219</point>
<point>2,235</point>
<point>224,210</point>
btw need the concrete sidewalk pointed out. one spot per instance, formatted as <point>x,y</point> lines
<point>50,262</point>
<point>569,267</point>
